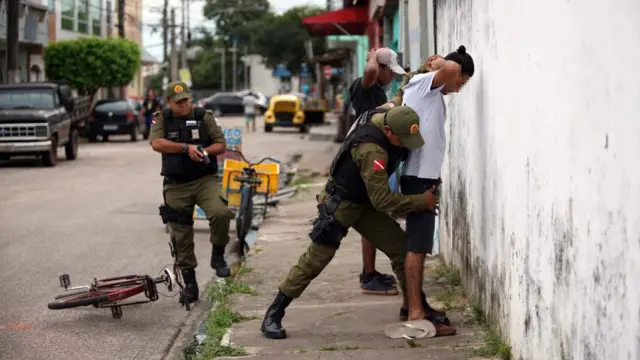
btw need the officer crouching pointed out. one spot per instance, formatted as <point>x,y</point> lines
<point>178,133</point>
<point>357,196</point>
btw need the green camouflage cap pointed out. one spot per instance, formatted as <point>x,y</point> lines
<point>405,123</point>
<point>177,91</point>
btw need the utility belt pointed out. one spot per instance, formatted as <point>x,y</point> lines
<point>180,180</point>
<point>327,230</point>
<point>333,189</point>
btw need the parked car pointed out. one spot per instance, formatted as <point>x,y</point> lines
<point>37,118</point>
<point>228,103</point>
<point>115,117</point>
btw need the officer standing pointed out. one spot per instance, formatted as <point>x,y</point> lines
<point>177,132</point>
<point>357,196</point>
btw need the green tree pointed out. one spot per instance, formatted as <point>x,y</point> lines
<point>282,39</point>
<point>232,18</point>
<point>89,64</point>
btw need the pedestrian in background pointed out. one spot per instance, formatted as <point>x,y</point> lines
<point>150,105</point>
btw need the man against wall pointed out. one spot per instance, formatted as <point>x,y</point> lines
<point>367,93</point>
<point>424,92</point>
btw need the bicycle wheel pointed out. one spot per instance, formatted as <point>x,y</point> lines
<point>96,297</point>
<point>245,213</point>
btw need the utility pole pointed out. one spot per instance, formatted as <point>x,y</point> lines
<point>183,38</point>
<point>121,12</point>
<point>223,76</point>
<point>246,68</point>
<point>121,34</point>
<point>13,27</point>
<point>234,50</point>
<point>165,31</point>
<point>174,52</point>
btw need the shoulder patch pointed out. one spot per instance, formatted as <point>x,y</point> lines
<point>379,165</point>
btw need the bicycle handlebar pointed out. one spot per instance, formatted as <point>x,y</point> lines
<point>256,163</point>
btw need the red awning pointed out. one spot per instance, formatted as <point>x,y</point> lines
<point>353,20</point>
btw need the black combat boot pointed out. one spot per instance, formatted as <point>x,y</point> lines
<point>218,263</point>
<point>272,324</point>
<point>191,292</point>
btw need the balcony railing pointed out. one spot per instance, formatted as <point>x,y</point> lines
<point>33,24</point>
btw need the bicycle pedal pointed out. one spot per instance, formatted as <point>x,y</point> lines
<point>65,281</point>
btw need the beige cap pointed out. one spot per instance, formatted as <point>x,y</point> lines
<point>388,57</point>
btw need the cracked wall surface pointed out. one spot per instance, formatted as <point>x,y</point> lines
<point>541,203</point>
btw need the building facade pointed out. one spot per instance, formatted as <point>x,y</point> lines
<point>33,36</point>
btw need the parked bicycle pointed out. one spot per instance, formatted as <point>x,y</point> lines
<point>249,184</point>
<point>111,292</point>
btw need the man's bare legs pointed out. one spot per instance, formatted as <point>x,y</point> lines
<point>371,281</point>
<point>413,270</point>
<point>368,256</point>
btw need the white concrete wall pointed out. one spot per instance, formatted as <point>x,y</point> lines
<point>541,203</point>
<point>262,79</point>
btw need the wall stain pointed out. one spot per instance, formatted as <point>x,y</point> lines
<point>606,141</point>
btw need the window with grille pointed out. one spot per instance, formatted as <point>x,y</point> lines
<point>96,17</point>
<point>83,16</point>
<point>67,19</point>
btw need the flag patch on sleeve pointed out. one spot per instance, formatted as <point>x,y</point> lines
<point>379,165</point>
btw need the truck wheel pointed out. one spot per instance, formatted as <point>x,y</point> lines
<point>268,128</point>
<point>304,129</point>
<point>71,148</point>
<point>93,137</point>
<point>105,137</point>
<point>134,134</point>
<point>50,158</point>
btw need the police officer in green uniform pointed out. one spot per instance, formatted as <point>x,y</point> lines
<point>187,137</point>
<point>357,196</point>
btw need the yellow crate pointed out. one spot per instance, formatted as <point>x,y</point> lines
<point>269,173</point>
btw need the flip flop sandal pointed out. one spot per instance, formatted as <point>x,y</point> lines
<point>410,330</point>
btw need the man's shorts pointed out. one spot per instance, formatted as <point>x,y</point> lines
<point>420,224</point>
<point>249,117</point>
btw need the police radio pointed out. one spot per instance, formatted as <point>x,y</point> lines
<point>205,158</point>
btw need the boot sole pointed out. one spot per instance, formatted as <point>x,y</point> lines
<point>380,292</point>
<point>273,336</point>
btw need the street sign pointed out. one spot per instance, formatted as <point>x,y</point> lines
<point>233,137</point>
<point>328,71</point>
<point>185,75</point>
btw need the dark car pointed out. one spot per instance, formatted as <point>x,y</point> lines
<point>226,103</point>
<point>115,117</point>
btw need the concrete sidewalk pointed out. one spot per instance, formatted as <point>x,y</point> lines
<point>332,320</point>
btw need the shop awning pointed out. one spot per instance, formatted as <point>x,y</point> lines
<point>350,21</point>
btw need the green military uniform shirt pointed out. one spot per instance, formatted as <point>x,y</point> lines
<point>372,161</point>
<point>214,129</point>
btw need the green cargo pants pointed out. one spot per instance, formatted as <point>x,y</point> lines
<point>378,227</point>
<point>204,192</point>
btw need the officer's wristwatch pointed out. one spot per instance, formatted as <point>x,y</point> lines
<point>185,148</point>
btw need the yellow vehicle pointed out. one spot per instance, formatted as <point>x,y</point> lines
<point>314,111</point>
<point>284,111</point>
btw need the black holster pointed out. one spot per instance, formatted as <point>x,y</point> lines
<point>327,230</point>
<point>169,214</point>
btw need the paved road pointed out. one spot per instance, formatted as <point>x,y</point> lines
<point>96,216</point>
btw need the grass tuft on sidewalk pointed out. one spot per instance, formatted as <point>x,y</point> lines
<point>219,321</point>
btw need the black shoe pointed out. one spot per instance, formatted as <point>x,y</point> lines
<point>191,292</point>
<point>218,263</point>
<point>272,324</point>
<point>441,316</point>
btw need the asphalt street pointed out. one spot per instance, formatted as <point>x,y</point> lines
<point>96,216</point>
